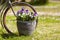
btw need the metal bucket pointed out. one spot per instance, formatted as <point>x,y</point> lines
<point>26,27</point>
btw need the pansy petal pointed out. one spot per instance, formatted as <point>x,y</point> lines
<point>35,14</point>
<point>26,11</point>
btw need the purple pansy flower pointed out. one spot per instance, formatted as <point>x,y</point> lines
<point>22,10</point>
<point>26,14</point>
<point>26,11</point>
<point>18,12</point>
<point>35,14</point>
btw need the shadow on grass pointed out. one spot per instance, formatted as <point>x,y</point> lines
<point>6,35</point>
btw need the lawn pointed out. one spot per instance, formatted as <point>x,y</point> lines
<point>48,28</point>
<point>50,7</point>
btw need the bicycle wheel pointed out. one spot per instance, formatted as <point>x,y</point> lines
<point>9,19</point>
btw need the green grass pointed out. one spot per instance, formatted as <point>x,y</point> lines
<point>53,3</point>
<point>48,28</point>
<point>50,7</point>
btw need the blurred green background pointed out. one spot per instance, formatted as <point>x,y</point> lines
<point>48,27</point>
